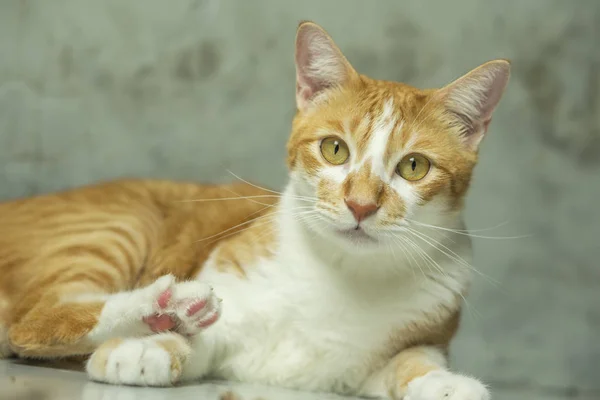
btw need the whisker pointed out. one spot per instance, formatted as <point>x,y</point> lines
<point>491,228</point>
<point>405,251</point>
<point>251,200</point>
<point>393,256</point>
<point>465,233</point>
<point>227,232</point>
<point>259,211</point>
<point>328,217</point>
<point>438,267</point>
<point>402,241</point>
<point>261,220</point>
<point>265,189</point>
<point>415,249</point>
<point>452,255</point>
<point>426,258</point>
<point>262,196</point>
<point>234,227</point>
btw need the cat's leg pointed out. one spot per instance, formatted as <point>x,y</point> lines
<point>420,373</point>
<point>72,318</point>
<point>184,307</point>
<point>158,360</point>
<point>162,359</point>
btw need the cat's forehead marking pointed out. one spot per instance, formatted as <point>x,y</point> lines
<point>382,127</point>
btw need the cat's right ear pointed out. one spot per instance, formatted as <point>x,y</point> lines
<point>320,64</point>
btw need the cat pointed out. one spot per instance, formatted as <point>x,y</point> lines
<point>350,281</point>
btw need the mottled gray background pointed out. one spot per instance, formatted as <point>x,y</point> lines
<point>190,89</point>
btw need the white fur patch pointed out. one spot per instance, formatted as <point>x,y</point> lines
<point>141,362</point>
<point>316,317</point>
<point>123,312</point>
<point>380,137</point>
<point>443,385</point>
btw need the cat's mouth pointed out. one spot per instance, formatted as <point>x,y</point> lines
<point>357,234</point>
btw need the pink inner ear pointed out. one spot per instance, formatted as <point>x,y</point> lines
<point>497,82</point>
<point>473,99</point>
<point>305,93</point>
<point>486,124</point>
<point>319,63</point>
<point>307,84</point>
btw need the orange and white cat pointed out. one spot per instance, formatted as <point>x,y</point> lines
<point>351,281</point>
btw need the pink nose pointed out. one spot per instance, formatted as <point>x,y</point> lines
<point>361,211</point>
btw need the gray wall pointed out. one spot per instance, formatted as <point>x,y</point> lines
<point>189,89</point>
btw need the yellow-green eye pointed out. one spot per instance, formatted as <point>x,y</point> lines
<point>413,167</point>
<point>335,150</point>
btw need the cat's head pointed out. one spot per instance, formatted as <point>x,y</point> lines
<point>379,156</point>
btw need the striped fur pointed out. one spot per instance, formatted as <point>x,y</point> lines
<point>100,240</point>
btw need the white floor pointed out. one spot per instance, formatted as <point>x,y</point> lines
<point>19,381</point>
<point>25,382</point>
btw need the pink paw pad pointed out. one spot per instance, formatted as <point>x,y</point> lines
<point>209,320</point>
<point>196,307</point>
<point>160,323</point>
<point>185,307</point>
<point>164,298</point>
<point>198,311</point>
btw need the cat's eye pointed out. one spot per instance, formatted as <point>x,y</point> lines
<point>335,150</point>
<point>413,167</point>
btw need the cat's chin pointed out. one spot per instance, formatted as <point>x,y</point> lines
<point>357,236</point>
<point>344,236</point>
<point>356,241</point>
<point>351,239</point>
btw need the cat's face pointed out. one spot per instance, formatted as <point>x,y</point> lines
<point>376,158</point>
<point>374,162</point>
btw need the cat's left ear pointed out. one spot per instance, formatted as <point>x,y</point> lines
<point>320,65</point>
<point>471,99</point>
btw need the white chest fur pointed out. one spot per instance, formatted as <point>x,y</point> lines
<point>306,321</point>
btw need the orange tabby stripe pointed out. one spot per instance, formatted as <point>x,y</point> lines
<point>103,238</point>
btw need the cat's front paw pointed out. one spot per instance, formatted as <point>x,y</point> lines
<point>195,306</point>
<point>443,385</point>
<point>187,308</point>
<point>152,361</point>
<point>159,296</point>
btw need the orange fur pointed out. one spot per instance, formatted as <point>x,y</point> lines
<point>100,239</point>
<point>363,100</point>
<point>410,364</point>
<point>235,254</point>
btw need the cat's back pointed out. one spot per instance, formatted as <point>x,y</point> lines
<point>144,199</point>
<point>130,211</point>
<point>46,215</point>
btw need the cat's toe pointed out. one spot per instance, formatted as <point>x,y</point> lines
<point>160,322</point>
<point>196,307</point>
<point>443,385</point>
<point>157,299</point>
<point>135,362</point>
<point>154,298</point>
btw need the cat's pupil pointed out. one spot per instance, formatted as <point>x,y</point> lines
<point>337,148</point>
<point>414,164</point>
